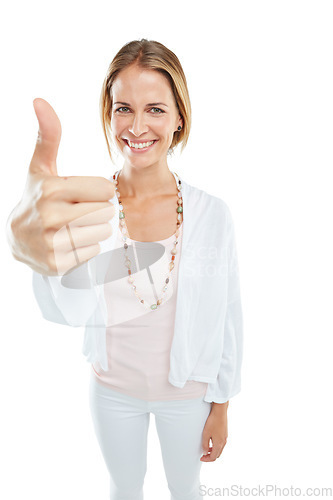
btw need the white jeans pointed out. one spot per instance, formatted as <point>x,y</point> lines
<point>121,425</point>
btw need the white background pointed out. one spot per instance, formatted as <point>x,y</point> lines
<point>260,79</point>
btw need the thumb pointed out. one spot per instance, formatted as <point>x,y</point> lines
<point>48,140</point>
<point>205,445</point>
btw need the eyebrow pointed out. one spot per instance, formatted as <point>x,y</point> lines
<point>149,104</point>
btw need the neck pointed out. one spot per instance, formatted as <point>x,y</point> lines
<point>147,182</point>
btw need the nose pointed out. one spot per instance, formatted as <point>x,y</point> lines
<point>138,125</point>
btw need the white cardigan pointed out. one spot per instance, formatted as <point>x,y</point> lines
<point>207,344</point>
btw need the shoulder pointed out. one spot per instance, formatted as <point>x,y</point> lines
<point>206,201</point>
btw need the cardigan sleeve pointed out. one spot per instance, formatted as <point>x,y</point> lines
<point>64,304</point>
<point>228,382</point>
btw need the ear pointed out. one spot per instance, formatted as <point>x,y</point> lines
<point>180,122</point>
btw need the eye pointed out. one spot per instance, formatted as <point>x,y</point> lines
<point>122,107</point>
<point>159,111</point>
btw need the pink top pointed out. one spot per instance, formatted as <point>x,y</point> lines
<point>139,340</point>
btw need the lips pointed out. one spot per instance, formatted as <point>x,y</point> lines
<point>139,142</point>
<point>137,149</point>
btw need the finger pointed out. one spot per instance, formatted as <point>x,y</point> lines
<point>79,214</point>
<point>205,443</point>
<point>215,453</point>
<point>78,188</point>
<point>207,453</point>
<point>48,139</point>
<point>70,236</point>
<point>68,262</point>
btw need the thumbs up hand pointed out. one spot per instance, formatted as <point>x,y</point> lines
<point>59,221</point>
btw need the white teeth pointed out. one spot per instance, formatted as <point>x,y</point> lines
<point>140,145</point>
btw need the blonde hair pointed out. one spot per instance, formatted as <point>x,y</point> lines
<point>148,54</point>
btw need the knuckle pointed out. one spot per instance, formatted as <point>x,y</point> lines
<point>98,248</point>
<point>109,229</point>
<point>110,189</point>
<point>44,216</point>
<point>51,262</point>
<point>45,213</point>
<point>40,204</point>
<point>111,208</point>
<point>48,239</point>
<point>50,188</point>
<point>48,216</point>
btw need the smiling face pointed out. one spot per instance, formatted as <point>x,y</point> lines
<point>145,114</point>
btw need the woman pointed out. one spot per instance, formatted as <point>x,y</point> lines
<point>161,305</point>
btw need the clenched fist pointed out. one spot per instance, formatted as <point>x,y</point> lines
<point>59,221</point>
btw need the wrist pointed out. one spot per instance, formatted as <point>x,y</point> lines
<point>220,408</point>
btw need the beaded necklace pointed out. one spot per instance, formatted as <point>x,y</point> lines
<point>125,233</point>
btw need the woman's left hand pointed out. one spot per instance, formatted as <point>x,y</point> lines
<point>216,429</point>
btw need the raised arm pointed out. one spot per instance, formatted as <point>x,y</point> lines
<point>57,225</point>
